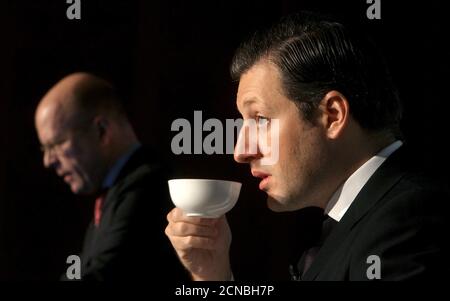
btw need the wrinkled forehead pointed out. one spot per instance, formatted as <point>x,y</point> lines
<point>55,120</point>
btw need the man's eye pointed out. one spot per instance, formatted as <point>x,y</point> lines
<point>52,146</point>
<point>261,120</point>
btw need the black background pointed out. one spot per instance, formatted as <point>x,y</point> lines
<point>167,59</point>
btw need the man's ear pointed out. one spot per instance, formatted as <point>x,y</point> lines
<point>101,126</point>
<point>335,113</point>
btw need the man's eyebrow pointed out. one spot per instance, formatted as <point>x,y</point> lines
<point>56,140</point>
<point>245,103</point>
<point>248,101</point>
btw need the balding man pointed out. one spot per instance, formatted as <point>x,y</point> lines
<point>87,139</point>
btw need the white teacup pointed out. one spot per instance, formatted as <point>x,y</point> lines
<point>204,197</point>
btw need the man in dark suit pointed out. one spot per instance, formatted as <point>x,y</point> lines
<point>87,139</point>
<point>325,93</point>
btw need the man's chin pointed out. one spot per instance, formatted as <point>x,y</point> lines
<point>279,204</point>
<point>274,204</point>
<point>80,190</point>
<point>76,190</point>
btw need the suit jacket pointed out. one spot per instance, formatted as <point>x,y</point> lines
<point>129,243</point>
<point>401,216</point>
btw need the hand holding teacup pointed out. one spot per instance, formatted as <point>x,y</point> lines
<point>198,229</point>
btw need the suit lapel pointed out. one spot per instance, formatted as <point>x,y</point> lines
<point>139,157</point>
<point>387,175</point>
<point>88,243</point>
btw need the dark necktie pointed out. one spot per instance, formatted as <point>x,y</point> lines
<point>311,252</point>
<point>99,202</point>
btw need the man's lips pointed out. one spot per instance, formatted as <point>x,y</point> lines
<point>67,176</point>
<point>262,175</point>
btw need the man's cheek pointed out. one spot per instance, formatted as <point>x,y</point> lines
<point>269,142</point>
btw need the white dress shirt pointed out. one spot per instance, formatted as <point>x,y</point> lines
<point>347,192</point>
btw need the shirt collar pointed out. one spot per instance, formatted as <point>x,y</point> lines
<point>347,192</point>
<point>113,173</point>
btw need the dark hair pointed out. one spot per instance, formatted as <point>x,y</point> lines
<point>315,55</point>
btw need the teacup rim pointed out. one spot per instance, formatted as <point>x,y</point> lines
<point>203,179</point>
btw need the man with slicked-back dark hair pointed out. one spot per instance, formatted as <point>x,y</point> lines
<point>341,153</point>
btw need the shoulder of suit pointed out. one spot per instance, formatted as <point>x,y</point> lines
<point>416,196</point>
<point>146,176</point>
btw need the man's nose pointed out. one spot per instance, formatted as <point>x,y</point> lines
<point>244,157</point>
<point>246,149</point>
<point>50,159</point>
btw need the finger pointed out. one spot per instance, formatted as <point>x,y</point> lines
<point>187,243</point>
<point>188,229</point>
<point>177,215</point>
